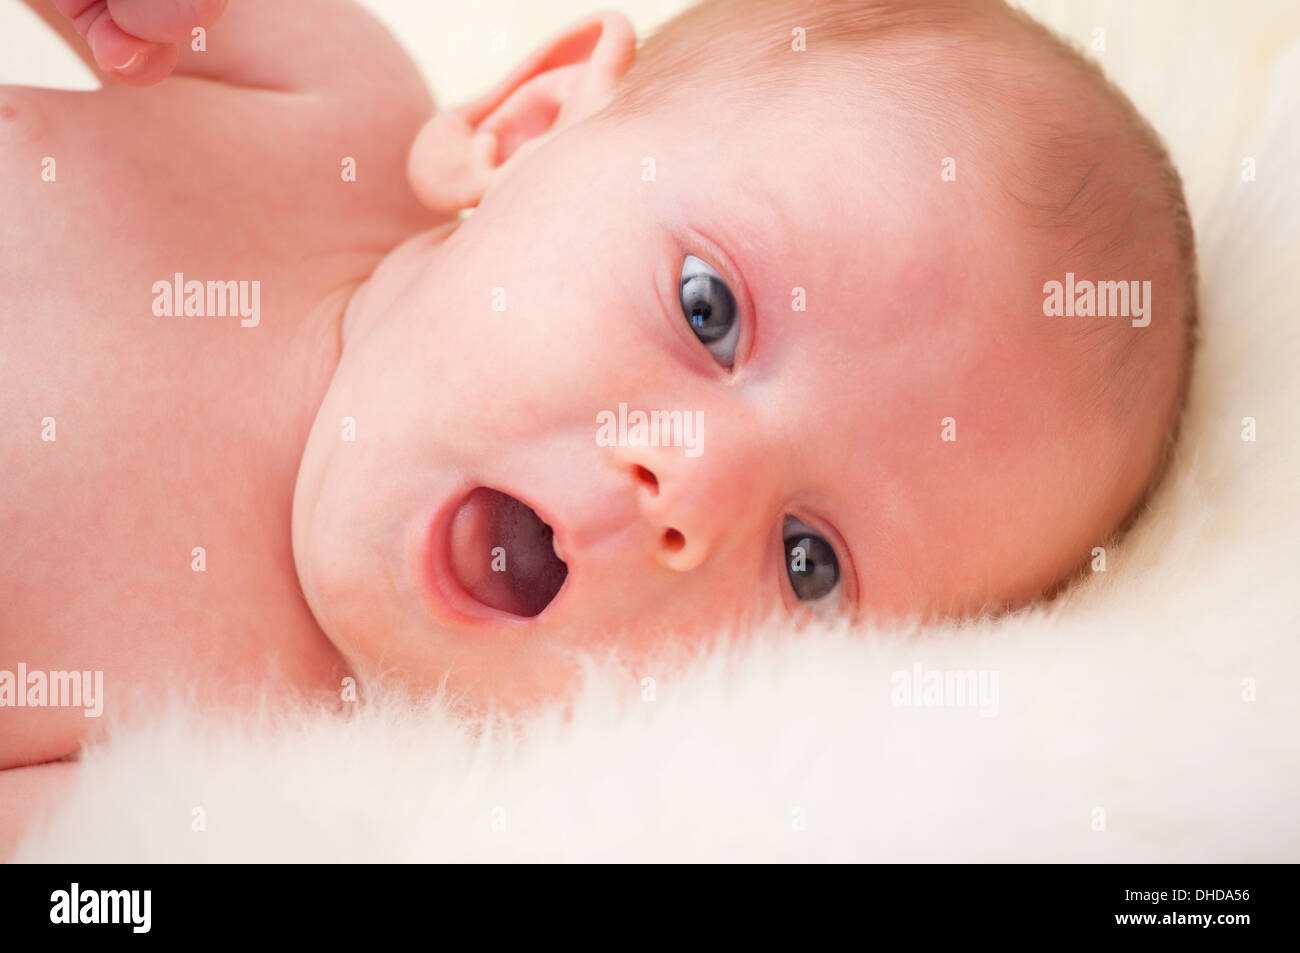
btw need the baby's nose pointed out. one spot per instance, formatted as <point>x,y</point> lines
<point>689,503</point>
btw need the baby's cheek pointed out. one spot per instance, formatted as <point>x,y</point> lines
<point>352,602</point>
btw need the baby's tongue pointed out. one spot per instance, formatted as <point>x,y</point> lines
<point>524,574</point>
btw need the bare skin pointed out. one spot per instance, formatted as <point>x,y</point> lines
<point>202,175</point>
<point>29,793</point>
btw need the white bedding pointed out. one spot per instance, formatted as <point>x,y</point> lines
<point>1149,714</point>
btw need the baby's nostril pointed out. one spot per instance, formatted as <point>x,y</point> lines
<point>673,540</point>
<point>646,478</point>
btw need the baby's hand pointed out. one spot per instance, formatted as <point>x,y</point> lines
<point>135,40</point>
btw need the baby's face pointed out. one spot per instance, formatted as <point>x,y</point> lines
<point>812,302</point>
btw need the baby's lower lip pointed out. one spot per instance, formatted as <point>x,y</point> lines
<point>501,555</point>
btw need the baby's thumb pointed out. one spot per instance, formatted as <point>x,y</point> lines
<point>134,61</point>
<point>165,21</point>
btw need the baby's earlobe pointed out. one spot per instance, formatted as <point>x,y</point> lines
<point>450,164</point>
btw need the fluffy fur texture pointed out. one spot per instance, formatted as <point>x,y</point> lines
<point>1125,695</point>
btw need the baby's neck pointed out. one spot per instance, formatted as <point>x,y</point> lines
<point>394,273</point>
<point>293,396</point>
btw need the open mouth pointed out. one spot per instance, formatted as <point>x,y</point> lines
<point>503,554</point>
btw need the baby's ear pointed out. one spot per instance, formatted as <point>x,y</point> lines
<point>460,152</point>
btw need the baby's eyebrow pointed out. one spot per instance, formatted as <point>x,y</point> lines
<point>767,220</point>
<point>748,222</point>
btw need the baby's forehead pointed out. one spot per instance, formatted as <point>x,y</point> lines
<point>863,220</point>
<point>859,256</point>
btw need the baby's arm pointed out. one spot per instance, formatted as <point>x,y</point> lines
<point>285,45</point>
<point>302,46</point>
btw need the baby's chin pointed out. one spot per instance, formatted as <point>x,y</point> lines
<point>478,672</point>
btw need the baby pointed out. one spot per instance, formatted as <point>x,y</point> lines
<point>871,309</point>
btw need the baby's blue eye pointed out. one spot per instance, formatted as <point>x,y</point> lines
<point>710,309</point>
<point>810,562</point>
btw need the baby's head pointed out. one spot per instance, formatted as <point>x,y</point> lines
<point>758,319</point>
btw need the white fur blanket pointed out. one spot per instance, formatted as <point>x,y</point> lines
<point>1151,714</point>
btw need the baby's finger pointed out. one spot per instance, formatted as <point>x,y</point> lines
<point>152,64</point>
<point>165,21</point>
<point>130,59</point>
